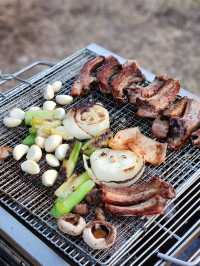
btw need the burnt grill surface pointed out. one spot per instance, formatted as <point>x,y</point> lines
<point>138,238</point>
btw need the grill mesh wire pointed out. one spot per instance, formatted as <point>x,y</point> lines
<point>32,202</point>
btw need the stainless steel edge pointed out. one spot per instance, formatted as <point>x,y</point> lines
<point>30,244</point>
<point>148,74</point>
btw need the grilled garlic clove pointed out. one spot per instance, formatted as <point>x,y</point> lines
<point>52,142</point>
<point>64,99</point>
<point>30,167</point>
<point>52,160</point>
<point>49,177</point>
<point>49,105</point>
<point>57,85</point>
<point>71,224</point>
<point>19,151</point>
<point>11,121</point>
<point>59,113</point>
<point>49,92</point>
<point>61,151</point>
<point>40,141</point>
<point>17,113</point>
<point>34,108</point>
<point>34,153</point>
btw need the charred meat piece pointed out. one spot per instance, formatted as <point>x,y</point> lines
<point>129,74</point>
<point>145,92</point>
<point>81,209</point>
<point>94,198</point>
<point>150,107</point>
<point>177,108</point>
<point>160,128</point>
<point>110,67</point>
<point>137,193</point>
<point>182,128</point>
<point>196,138</point>
<point>153,206</point>
<point>5,152</point>
<point>87,76</point>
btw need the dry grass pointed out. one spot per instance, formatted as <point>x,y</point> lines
<point>163,36</point>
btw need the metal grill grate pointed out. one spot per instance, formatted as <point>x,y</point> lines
<point>138,238</point>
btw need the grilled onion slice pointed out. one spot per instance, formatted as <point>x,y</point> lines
<point>87,121</point>
<point>116,168</point>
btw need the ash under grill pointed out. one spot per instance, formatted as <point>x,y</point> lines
<point>139,239</point>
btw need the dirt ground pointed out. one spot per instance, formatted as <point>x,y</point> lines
<point>164,36</point>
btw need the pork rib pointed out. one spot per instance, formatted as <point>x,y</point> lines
<point>196,138</point>
<point>150,107</point>
<point>182,128</point>
<point>177,108</point>
<point>110,67</point>
<point>153,206</point>
<point>137,193</point>
<point>160,128</point>
<point>83,84</point>
<point>129,74</point>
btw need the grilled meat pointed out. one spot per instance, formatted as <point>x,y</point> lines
<point>137,193</point>
<point>93,198</point>
<point>177,108</point>
<point>86,78</point>
<point>150,107</point>
<point>81,209</point>
<point>196,138</point>
<point>129,74</point>
<point>160,128</point>
<point>136,91</point>
<point>110,67</point>
<point>182,127</point>
<point>5,152</point>
<point>153,206</point>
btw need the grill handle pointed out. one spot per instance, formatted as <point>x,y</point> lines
<point>6,77</point>
<point>172,259</point>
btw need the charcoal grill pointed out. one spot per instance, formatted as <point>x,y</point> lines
<point>25,204</point>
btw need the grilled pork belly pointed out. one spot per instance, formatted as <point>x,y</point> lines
<point>182,127</point>
<point>196,138</point>
<point>153,206</point>
<point>138,192</point>
<point>110,67</point>
<point>87,77</point>
<point>162,92</point>
<point>129,74</point>
<point>160,128</point>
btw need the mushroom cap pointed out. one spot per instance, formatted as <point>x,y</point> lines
<point>100,242</point>
<point>71,224</point>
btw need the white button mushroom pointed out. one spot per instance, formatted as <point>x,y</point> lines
<point>34,108</point>
<point>59,113</point>
<point>11,121</point>
<point>49,177</point>
<point>52,142</point>
<point>49,92</point>
<point>99,234</point>
<point>40,141</point>
<point>61,151</point>
<point>34,153</point>
<point>19,151</point>
<point>30,167</point>
<point>64,99</point>
<point>17,113</point>
<point>49,105</point>
<point>72,224</point>
<point>52,160</point>
<point>57,85</point>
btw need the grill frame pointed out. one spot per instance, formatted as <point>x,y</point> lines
<point>20,90</point>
